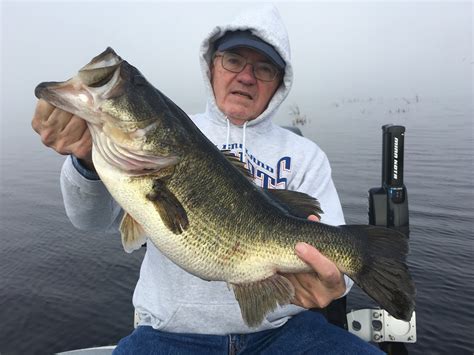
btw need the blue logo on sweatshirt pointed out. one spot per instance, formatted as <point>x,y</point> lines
<point>265,175</point>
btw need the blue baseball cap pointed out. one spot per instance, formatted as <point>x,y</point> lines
<point>236,39</point>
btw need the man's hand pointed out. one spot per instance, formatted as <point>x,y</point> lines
<point>63,131</point>
<point>319,288</point>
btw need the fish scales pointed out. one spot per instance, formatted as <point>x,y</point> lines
<point>229,240</point>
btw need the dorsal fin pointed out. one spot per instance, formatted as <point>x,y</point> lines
<point>296,203</point>
<point>231,157</point>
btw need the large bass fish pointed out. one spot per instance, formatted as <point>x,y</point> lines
<point>199,206</point>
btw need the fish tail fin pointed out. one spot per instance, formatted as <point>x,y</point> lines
<point>383,274</point>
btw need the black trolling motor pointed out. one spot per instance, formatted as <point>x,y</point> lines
<point>388,207</point>
<point>388,204</point>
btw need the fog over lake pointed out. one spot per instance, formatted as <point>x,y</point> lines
<point>341,49</point>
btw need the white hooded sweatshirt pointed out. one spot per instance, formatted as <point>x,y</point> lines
<point>167,297</point>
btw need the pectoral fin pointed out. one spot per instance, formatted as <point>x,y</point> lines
<point>171,211</point>
<point>133,235</point>
<point>258,298</point>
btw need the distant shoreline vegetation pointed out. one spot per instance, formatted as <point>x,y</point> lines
<point>395,106</point>
<point>297,118</point>
<point>399,105</point>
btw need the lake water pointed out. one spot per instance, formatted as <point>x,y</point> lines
<point>62,289</point>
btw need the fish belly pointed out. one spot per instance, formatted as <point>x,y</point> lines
<point>200,250</point>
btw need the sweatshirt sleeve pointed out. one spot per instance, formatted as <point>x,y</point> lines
<point>88,204</point>
<point>314,178</point>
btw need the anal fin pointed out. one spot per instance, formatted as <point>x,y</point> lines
<point>258,298</point>
<point>133,235</point>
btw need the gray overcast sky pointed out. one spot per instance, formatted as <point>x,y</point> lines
<point>339,49</point>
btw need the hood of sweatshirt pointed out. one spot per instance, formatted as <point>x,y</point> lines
<point>264,22</point>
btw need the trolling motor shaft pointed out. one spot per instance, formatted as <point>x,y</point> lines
<point>388,204</point>
<point>388,207</point>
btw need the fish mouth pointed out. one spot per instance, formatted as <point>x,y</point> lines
<point>242,94</point>
<point>103,94</point>
<point>101,69</point>
<point>41,91</point>
<point>58,93</point>
<point>82,94</point>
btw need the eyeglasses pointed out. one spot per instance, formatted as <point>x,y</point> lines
<point>235,63</point>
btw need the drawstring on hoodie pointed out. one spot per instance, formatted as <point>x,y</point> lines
<point>228,133</point>
<point>227,141</point>
<point>244,155</point>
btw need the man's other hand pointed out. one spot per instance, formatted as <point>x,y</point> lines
<point>63,132</point>
<point>320,287</point>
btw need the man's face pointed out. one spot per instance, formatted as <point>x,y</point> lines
<point>241,96</point>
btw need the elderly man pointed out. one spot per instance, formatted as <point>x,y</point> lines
<point>247,73</point>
